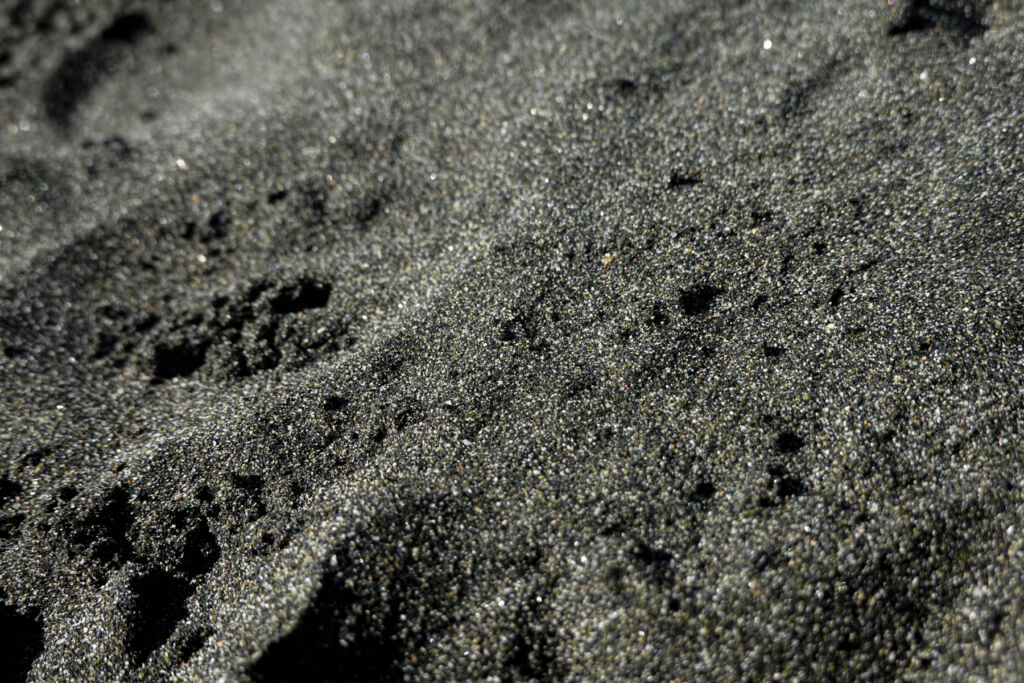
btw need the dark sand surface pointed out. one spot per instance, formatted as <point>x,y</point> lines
<point>509,340</point>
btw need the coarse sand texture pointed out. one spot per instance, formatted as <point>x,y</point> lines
<point>536,340</point>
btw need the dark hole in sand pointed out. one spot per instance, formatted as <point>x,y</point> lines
<point>368,211</point>
<point>766,559</point>
<point>698,300</point>
<point>201,550</point>
<point>531,655</point>
<point>178,360</point>
<point>105,529</point>
<point>658,317</point>
<point>158,606</point>
<point>704,490</point>
<point>788,442</point>
<point>335,403</point>
<point>35,457</point>
<point>322,647</point>
<point>127,28</point>
<point>960,18</point>
<point>301,296</point>
<point>204,494</point>
<point>8,490</point>
<point>680,179</point>
<point>9,526</point>
<point>13,352</point>
<point>624,86</point>
<point>219,223</point>
<point>788,486</point>
<point>192,642</point>
<point>652,556</point>
<point>252,487</point>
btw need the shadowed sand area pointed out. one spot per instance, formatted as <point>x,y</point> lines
<point>472,340</point>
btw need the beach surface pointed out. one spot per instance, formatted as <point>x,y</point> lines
<point>536,340</point>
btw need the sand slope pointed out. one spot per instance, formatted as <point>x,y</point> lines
<point>532,340</point>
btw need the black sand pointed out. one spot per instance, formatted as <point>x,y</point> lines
<point>463,340</point>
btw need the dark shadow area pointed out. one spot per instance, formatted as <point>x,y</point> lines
<point>105,529</point>
<point>158,606</point>
<point>21,642</point>
<point>181,359</point>
<point>959,18</point>
<point>324,646</point>
<point>84,69</point>
<point>698,300</point>
<point>300,296</point>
